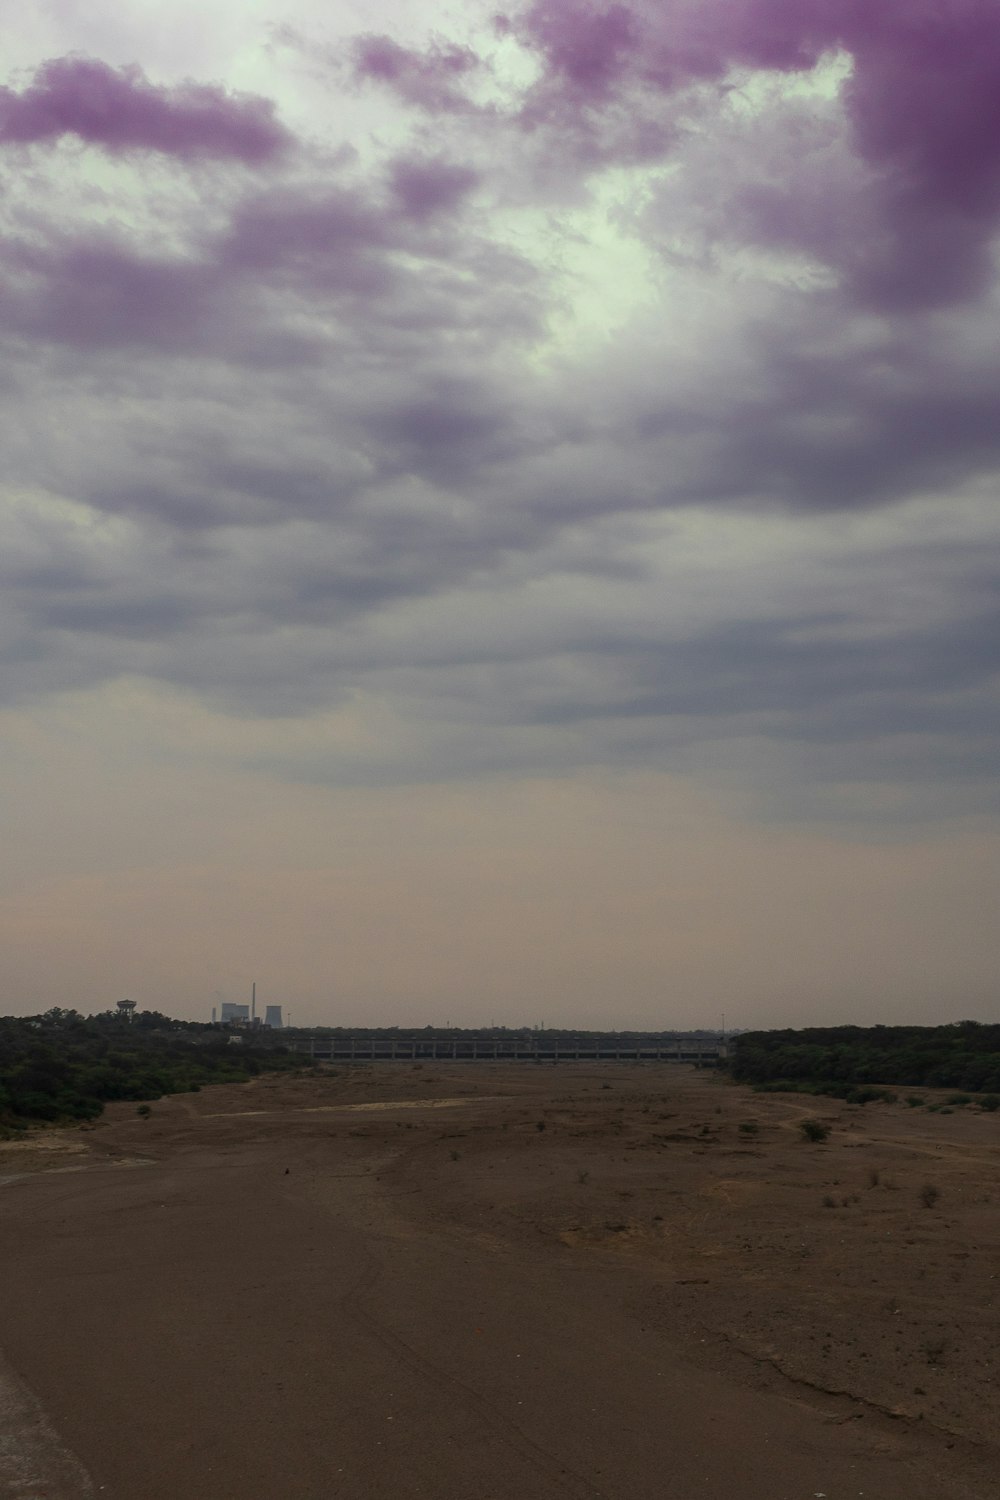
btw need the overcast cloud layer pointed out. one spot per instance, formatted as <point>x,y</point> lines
<point>582,389</point>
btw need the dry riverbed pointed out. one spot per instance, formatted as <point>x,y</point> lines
<point>482,1281</point>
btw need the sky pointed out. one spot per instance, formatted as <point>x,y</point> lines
<point>498,512</point>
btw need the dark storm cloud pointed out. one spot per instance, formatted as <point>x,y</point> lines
<point>318,434</point>
<point>829,685</point>
<point>119,110</point>
<point>827,427</point>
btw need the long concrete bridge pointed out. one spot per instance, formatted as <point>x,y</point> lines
<point>487,1049</point>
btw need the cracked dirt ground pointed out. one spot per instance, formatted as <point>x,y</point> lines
<point>505,1281</point>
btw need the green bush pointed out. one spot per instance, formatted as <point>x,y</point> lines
<point>64,1066</point>
<point>837,1060</point>
<point>814,1130</point>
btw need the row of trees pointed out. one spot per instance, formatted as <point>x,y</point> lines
<point>840,1060</point>
<point>62,1065</point>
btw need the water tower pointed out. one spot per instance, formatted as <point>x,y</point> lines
<point>126,1009</point>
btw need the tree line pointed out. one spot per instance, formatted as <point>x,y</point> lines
<point>65,1066</point>
<point>848,1061</point>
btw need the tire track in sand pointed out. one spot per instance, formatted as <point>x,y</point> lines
<point>540,1459</point>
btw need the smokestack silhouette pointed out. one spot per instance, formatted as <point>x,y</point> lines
<point>253,1001</point>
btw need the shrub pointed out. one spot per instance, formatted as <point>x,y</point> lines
<point>990,1102</point>
<point>915,1100</point>
<point>749,1127</point>
<point>929,1194</point>
<point>144,1110</point>
<point>869,1096</point>
<point>814,1130</point>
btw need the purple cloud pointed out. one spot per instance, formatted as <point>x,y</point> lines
<point>335,239</point>
<point>590,52</point>
<point>425,187</point>
<point>121,111</point>
<point>923,104</point>
<point>429,80</point>
<point>93,292</point>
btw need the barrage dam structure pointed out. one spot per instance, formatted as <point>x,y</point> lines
<point>680,1048</point>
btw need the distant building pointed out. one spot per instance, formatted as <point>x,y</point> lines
<point>272,1017</point>
<point>232,1012</point>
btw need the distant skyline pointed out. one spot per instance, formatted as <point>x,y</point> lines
<point>499,510</point>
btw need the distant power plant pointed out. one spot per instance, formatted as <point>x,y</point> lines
<point>246,1015</point>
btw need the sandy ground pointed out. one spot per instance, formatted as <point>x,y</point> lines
<point>501,1282</point>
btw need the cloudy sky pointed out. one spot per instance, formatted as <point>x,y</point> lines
<point>499,509</point>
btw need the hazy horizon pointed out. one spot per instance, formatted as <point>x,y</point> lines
<point>500,516</point>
